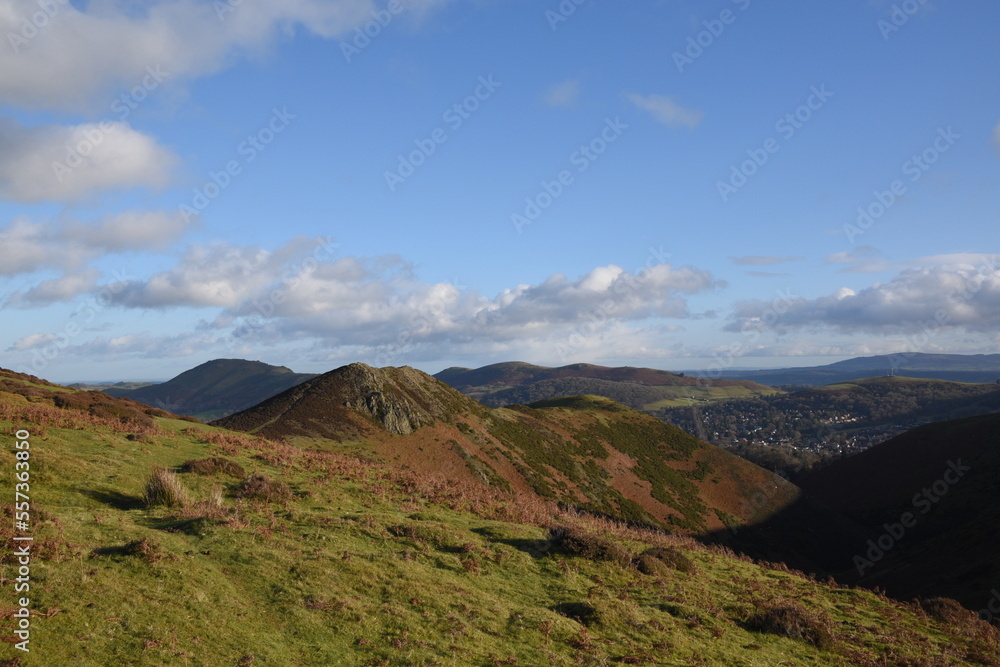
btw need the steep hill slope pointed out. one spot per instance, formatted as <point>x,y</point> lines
<point>640,388</point>
<point>217,388</point>
<point>586,451</point>
<point>274,555</point>
<point>946,478</point>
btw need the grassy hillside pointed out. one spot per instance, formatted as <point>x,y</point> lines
<point>275,555</point>
<point>217,388</point>
<point>589,452</point>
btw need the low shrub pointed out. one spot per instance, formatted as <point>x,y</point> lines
<point>261,487</point>
<point>671,557</point>
<point>791,619</point>
<point>576,542</point>
<point>649,565</point>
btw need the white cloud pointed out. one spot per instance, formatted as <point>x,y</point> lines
<point>31,341</point>
<point>129,230</point>
<point>564,94</point>
<point>84,54</point>
<point>66,163</point>
<point>862,259</point>
<point>219,275</point>
<point>947,295</point>
<point>27,246</point>
<point>302,291</point>
<point>64,288</point>
<point>302,299</point>
<point>666,111</point>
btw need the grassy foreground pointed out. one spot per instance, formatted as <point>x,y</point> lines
<point>275,555</point>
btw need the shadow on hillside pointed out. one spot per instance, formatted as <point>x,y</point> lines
<point>115,499</point>
<point>534,548</point>
<point>806,536</point>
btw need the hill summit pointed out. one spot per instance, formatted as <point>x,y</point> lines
<point>352,401</point>
<point>216,388</point>
<point>585,451</point>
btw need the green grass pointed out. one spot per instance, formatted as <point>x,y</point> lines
<point>364,565</point>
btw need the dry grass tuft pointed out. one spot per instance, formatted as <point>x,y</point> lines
<point>163,488</point>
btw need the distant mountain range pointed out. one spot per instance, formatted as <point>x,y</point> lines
<point>956,367</point>
<point>224,386</point>
<point>216,388</point>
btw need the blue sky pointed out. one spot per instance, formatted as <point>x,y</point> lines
<point>670,183</point>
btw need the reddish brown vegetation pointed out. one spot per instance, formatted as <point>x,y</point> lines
<point>213,465</point>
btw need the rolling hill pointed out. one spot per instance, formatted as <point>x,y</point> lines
<point>640,388</point>
<point>585,451</point>
<point>160,541</point>
<point>216,388</point>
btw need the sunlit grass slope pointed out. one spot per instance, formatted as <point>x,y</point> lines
<point>282,556</point>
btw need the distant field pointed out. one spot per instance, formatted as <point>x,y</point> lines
<point>686,396</point>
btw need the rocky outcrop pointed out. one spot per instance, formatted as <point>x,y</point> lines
<point>372,392</point>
